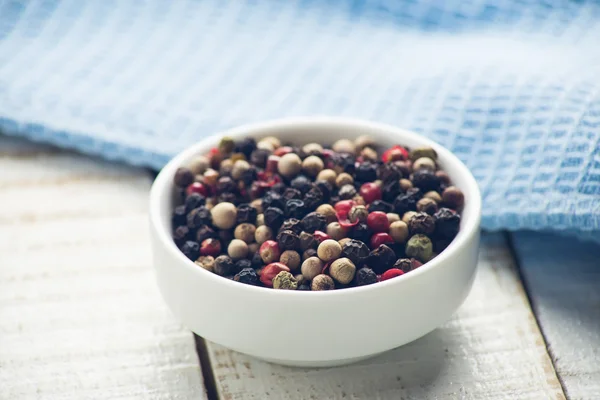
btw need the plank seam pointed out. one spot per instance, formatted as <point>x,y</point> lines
<point>210,384</point>
<point>511,246</point>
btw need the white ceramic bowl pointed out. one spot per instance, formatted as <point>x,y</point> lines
<point>316,328</point>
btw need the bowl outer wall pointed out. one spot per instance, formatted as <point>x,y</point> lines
<point>316,326</point>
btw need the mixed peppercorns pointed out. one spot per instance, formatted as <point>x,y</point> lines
<point>314,218</point>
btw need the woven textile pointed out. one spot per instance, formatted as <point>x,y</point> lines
<point>510,86</point>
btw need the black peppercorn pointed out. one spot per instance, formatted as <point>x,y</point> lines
<point>259,157</point>
<point>183,177</point>
<point>295,208</point>
<point>366,172</point>
<point>292,224</point>
<point>256,260</point>
<point>304,287</point>
<point>242,264</point>
<point>181,235</point>
<point>347,192</point>
<point>391,190</point>
<point>380,205</point>
<point>302,183</point>
<point>407,264</point>
<point>421,223</point>
<point>273,199</point>
<point>356,251</point>
<point>198,217</point>
<point>344,162</point>
<point>313,198</point>
<point>426,180</point>
<point>447,223</point>
<point>279,187</point>
<point>381,259</point>
<point>273,217</point>
<point>307,241</point>
<point>326,189</point>
<point>226,185</point>
<point>245,146</point>
<point>179,216</point>
<point>288,240</point>
<point>291,193</point>
<point>314,222</point>
<point>194,200</point>
<point>191,250</point>
<point>389,172</point>
<point>247,276</point>
<point>228,197</point>
<point>308,253</point>
<point>205,232</point>
<point>407,201</point>
<point>223,265</point>
<point>440,244</point>
<point>250,175</point>
<point>361,232</point>
<point>246,213</point>
<point>365,276</point>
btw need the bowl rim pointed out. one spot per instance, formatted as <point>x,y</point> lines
<point>162,183</point>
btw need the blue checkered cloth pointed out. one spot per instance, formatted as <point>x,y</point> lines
<point>511,86</point>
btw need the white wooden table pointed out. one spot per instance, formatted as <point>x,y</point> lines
<point>80,316</point>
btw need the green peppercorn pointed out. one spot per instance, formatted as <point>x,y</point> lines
<point>226,145</point>
<point>206,262</point>
<point>420,247</point>
<point>423,152</point>
<point>285,280</point>
<point>342,270</point>
<point>322,282</point>
<point>358,213</point>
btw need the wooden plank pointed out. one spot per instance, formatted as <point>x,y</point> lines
<point>562,276</point>
<point>491,349</point>
<point>80,314</point>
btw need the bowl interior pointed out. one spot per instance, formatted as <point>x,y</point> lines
<point>300,131</point>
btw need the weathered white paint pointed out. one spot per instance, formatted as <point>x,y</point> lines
<point>564,283</point>
<point>80,315</point>
<point>492,349</point>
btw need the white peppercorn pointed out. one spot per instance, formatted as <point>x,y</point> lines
<point>405,184</point>
<point>262,234</point>
<point>364,141</point>
<point>368,154</point>
<point>322,282</point>
<point>290,258</point>
<point>257,204</point>
<point>344,179</point>
<point>265,145</point>
<point>329,250</point>
<point>393,217</point>
<point>327,175</point>
<point>245,232</point>
<point>423,162</point>
<point>210,177</point>
<point>327,211</point>
<point>399,231</point>
<point>253,248</point>
<point>226,167</point>
<point>224,215</point>
<point>336,231</point>
<point>289,165</point>
<point>344,146</point>
<point>312,148</point>
<point>199,164</point>
<point>311,267</point>
<point>237,249</point>
<point>433,195</point>
<point>239,168</point>
<point>274,141</point>
<point>407,216</point>
<point>206,262</point>
<point>342,270</point>
<point>312,165</point>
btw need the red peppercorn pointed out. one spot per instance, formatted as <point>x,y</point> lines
<point>282,151</point>
<point>379,239</point>
<point>215,157</point>
<point>272,163</point>
<point>395,153</point>
<point>270,271</point>
<point>377,221</point>
<point>370,192</point>
<point>321,236</point>
<point>210,247</point>
<point>391,273</point>
<point>344,206</point>
<point>269,251</point>
<point>199,188</point>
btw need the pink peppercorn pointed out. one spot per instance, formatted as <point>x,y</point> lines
<point>321,236</point>
<point>380,238</point>
<point>199,188</point>
<point>282,151</point>
<point>370,192</point>
<point>270,271</point>
<point>269,251</point>
<point>396,153</point>
<point>391,273</point>
<point>344,206</point>
<point>272,163</point>
<point>377,221</point>
<point>210,247</point>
